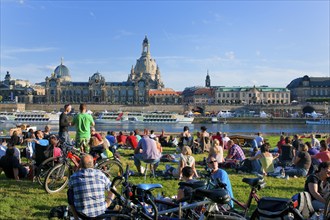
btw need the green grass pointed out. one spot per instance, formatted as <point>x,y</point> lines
<point>27,200</point>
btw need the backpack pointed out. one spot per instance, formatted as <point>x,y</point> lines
<point>303,202</point>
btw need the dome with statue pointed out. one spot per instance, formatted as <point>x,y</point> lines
<point>62,72</point>
<point>146,68</point>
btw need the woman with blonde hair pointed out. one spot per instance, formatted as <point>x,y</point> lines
<point>216,151</point>
<point>186,159</point>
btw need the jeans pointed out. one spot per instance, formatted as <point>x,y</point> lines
<point>65,137</point>
<point>296,172</point>
<point>139,157</point>
<point>256,166</point>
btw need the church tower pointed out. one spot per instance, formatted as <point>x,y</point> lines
<point>208,80</point>
<point>146,69</point>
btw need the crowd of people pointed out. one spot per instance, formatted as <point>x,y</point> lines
<point>295,158</point>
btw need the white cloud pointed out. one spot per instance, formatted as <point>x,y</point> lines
<point>230,55</point>
<point>8,52</point>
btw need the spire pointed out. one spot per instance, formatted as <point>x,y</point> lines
<point>145,46</point>
<point>62,60</point>
<point>207,80</point>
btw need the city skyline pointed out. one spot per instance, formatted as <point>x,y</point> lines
<point>239,43</point>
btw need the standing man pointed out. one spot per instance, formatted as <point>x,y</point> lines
<point>87,187</point>
<point>83,123</point>
<point>64,124</point>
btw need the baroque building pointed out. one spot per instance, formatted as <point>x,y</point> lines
<point>310,89</point>
<point>144,77</point>
<point>252,95</point>
<point>18,90</point>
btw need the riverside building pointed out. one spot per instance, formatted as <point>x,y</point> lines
<point>143,85</point>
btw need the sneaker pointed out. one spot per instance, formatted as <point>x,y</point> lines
<point>280,176</point>
<point>295,176</point>
<point>287,177</point>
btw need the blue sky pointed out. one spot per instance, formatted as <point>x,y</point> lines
<point>240,43</point>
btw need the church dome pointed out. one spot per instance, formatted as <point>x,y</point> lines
<point>61,70</point>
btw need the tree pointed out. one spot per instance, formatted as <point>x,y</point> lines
<point>0,98</point>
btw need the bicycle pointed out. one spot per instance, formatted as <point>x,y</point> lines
<point>58,177</point>
<point>43,169</point>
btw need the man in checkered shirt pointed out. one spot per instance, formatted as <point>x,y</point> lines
<point>88,186</point>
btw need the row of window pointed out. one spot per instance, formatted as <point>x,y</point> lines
<point>250,95</point>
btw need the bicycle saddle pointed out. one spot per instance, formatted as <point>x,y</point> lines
<point>254,181</point>
<point>149,186</point>
<point>220,196</point>
<point>194,185</point>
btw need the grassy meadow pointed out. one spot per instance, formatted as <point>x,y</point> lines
<point>27,200</point>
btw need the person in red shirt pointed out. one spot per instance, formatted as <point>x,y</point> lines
<point>97,135</point>
<point>324,154</point>
<point>121,139</point>
<point>218,137</point>
<point>280,143</point>
<point>131,140</point>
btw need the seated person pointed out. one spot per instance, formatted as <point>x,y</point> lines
<point>266,159</point>
<point>147,152</point>
<point>47,132</point>
<point>216,151</point>
<point>216,173</point>
<point>11,165</point>
<point>187,176</point>
<point>172,142</point>
<point>287,153</point>
<point>15,139</point>
<point>87,188</point>
<point>131,141</point>
<point>235,152</point>
<point>302,161</point>
<point>97,135</point>
<point>324,154</point>
<point>121,139</point>
<point>41,147</point>
<point>55,144</point>
<point>186,159</point>
<point>318,186</point>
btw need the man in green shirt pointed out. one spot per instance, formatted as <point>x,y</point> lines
<point>83,123</point>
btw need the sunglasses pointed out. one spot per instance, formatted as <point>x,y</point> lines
<point>212,161</point>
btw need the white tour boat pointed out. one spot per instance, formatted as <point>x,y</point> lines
<point>106,117</point>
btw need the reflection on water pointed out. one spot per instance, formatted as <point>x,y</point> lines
<point>229,128</point>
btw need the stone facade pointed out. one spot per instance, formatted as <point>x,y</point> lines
<point>145,76</point>
<point>305,89</point>
<point>252,95</point>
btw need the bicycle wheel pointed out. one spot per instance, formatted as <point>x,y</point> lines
<point>111,168</point>
<point>57,178</point>
<point>43,169</point>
